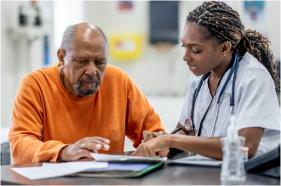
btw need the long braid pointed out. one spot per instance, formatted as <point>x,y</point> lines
<point>224,23</point>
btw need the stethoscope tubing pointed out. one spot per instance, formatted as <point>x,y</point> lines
<point>233,71</point>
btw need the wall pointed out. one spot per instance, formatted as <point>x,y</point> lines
<point>157,72</point>
<point>164,72</point>
<point>9,69</point>
<point>63,17</point>
<point>21,50</point>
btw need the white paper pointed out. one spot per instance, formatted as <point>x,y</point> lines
<point>49,170</point>
<point>79,163</point>
<point>198,160</point>
<point>107,157</point>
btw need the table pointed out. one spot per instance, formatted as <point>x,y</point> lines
<point>168,175</point>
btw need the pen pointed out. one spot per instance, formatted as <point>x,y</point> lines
<point>176,130</point>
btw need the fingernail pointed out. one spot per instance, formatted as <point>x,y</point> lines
<point>106,141</point>
<point>83,145</point>
<point>106,146</point>
<point>98,145</point>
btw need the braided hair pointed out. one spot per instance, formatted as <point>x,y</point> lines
<point>224,24</point>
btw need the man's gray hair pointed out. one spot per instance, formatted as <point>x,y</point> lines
<point>105,37</point>
<point>68,36</point>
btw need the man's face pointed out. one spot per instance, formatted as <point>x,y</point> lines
<point>85,65</point>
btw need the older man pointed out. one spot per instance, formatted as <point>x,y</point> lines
<point>79,105</point>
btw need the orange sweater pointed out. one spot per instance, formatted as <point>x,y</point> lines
<point>46,117</point>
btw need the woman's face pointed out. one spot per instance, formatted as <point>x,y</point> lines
<point>201,55</point>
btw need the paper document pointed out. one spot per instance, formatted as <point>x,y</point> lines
<point>198,160</point>
<point>49,170</point>
<point>122,167</point>
<point>111,166</point>
<point>77,163</point>
<point>106,157</point>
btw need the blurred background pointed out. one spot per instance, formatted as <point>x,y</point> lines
<point>144,42</point>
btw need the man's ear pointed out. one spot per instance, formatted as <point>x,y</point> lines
<point>61,55</point>
<point>225,48</point>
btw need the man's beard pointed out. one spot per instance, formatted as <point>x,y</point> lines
<point>91,88</point>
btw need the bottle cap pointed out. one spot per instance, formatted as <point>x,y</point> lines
<point>245,149</point>
<point>232,131</point>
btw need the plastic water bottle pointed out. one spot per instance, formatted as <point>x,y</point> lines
<point>232,170</point>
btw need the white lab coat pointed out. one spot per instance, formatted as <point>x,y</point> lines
<point>256,104</point>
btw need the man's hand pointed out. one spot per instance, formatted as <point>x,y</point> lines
<point>150,135</point>
<point>83,148</point>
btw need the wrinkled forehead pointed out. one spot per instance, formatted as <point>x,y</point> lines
<point>87,33</point>
<point>89,38</point>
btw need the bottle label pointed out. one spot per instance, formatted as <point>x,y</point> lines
<point>233,158</point>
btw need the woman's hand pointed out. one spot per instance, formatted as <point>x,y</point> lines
<point>150,135</point>
<point>153,146</point>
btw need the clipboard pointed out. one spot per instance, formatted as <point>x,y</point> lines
<point>196,160</point>
<point>126,159</point>
<point>147,164</point>
<point>120,174</point>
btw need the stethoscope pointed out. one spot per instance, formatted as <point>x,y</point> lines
<point>234,70</point>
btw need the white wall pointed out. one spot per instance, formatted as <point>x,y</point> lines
<point>21,53</point>
<point>156,72</point>
<point>270,28</point>
<point>9,70</point>
<point>165,73</point>
<point>65,14</point>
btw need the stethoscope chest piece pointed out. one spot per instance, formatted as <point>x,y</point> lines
<point>188,125</point>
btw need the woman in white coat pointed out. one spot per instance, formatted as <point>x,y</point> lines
<point>213,35</point>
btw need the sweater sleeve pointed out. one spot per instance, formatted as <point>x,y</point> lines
<point>25,135</point>
<point>140,115</point>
